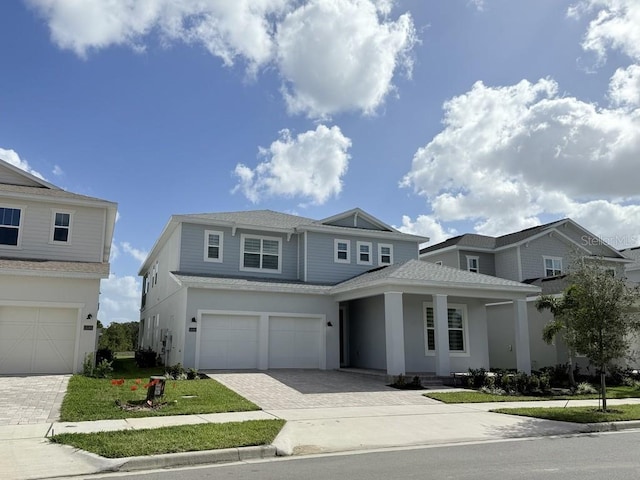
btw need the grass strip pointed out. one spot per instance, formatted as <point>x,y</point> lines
<point>184,438</point>
<point>473,396</point>
<point>617,413</point>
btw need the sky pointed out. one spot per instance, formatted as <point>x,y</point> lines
<point>438,117</point>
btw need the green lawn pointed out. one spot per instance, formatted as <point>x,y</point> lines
<point>473,396</point>
<point>616,413</point>
<point>95,398</point>
<point>185,438</point>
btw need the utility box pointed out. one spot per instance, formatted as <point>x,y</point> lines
<point>155,388</point>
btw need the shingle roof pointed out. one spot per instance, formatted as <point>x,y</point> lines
<point>238,283</point>
<point>34,266</point>
<point>430,273</point>
<point>260,218</point>
<point>46,192</point>
<point>516,237</point>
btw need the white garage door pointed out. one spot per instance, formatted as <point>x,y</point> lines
<point>37,340</point>
<point>294,342</point>
<point>229,342</point>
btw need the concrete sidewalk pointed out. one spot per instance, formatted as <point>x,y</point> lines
<point>27,454</point>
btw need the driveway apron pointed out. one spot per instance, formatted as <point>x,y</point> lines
<point>31,400</point>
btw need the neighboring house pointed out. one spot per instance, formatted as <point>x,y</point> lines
<point>632,269</point>
<point>262,289</point>
<point>537,256</point>
<point>54,249</point>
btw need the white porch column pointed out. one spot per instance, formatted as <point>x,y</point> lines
<point>394,332</point>
<point>263,342</point>
<point>523,355</point>
<point>441,320</point>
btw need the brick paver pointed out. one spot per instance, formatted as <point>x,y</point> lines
<point>31,400</point>
<point>286,389</point>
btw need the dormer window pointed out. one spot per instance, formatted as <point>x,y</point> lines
<point>552,266</point>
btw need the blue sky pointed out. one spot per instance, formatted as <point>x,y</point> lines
<point>438,117</point>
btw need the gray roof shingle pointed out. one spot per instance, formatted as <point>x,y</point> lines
<point>259,218</point>
<point>36,266</point>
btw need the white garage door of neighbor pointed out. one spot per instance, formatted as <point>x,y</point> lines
<point>228,342</point>
<point>37,340</point>
<point>294,342</point>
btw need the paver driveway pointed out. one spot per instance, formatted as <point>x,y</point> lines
<point>287,389</point>
<point>32,399</point>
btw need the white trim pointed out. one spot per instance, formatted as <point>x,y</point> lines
<point>245,236</point>
<point>465,329</point>
<point>380,254</point>
<point>336,242</point>
<point>54,212</point>
<point>519,260</point>
<point>220,245</point>
<point>553,259</point>
<point>306,255</point>
<point>22,208</point>
<point>470,259</point>
<point>364,244</point>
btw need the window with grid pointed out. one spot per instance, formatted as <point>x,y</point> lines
<point>473,264</point>
<point>385,254</point>
<point>213,246</point>
<point>9,226</point>
<point>342,251</point>
<point>61,227</point>
<point>552,266</point>
<point>364,253</point>
<point>261,253</point>
<point>456,328</point>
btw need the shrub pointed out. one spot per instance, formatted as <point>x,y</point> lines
<point>146,358</point>
<point>87,365</point>
<point>104,354</point>
<point>585,388</point>
<point>192,374</point>
<point>477,377</point>
<point>176,372</point>
<point>104,369</point>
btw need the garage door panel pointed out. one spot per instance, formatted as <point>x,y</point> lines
<point>229,342</point>
<point>37,340</point>
<point>294,342</point>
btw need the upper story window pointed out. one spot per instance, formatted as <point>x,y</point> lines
<point>261,254</point>
<point>61,227</point>
<point>342,249</point>
<point>364,253</point>
<point>10,226</point>
<point>457,328</point>
<point>213,246</point>
<point>473,264</point>
<point>552,266</point>
<point>385,254</point>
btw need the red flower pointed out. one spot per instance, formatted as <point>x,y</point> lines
<point>134,388</point>
<point>114,382</point>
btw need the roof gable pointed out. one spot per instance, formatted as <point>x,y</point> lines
<point>12,175</point>
<point>357,218</point>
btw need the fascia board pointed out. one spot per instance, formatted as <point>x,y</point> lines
<point>355,232</point>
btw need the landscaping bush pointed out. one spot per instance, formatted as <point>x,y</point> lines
<point>585,388</point>
<point>104,369</point>
<point>104,354</point>
<point>477,377</point>
<point>146,358</point>
<point>175,372</point>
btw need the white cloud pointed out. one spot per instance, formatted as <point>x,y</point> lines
<point>624,88</point>
<point>509,154</point>
<point>115,252</point>
<point>614,26</point>
<point>355,56</point>
<point>310,166</point>
<point>426,226</point>
<point>139,255</point>
<point>57,171</point>
<point>356,49</point>
<point>119,299</point>
<point>12,157</point>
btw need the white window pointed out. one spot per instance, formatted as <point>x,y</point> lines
<point>473,264</point>
<point>457,328</point>
<point>261,254</point>
<point>61,227</point>
<point>342,249</point>
<point>213,246</point>
<point>385,254</point>
<point>364,253</point>
<point>552,266</point>
<point>10,226</point>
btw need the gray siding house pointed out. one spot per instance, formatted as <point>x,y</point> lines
<point>262,289</point>
<point>54,249</point>
<point>536,256</point>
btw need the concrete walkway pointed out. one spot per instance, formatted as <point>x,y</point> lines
<point>323,414</point>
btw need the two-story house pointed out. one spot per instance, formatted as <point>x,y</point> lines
<point>262,289</point>
<point>537,256</point>
<point>632,269</point>
<point>54,249</point>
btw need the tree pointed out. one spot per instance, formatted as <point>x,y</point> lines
<point>597,311</point>
<point>120,337</point>
<point>560,326</point>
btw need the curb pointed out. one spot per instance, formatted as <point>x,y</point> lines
<point>225,455</point>
<point>612,426</point>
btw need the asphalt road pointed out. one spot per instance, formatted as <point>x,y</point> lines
<point>611,456</point>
